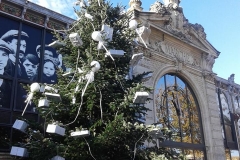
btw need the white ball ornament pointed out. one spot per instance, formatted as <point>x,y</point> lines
<point>97,36</point>
<point>133,24</point>
<point>35,87</point>
<point>95,66</point>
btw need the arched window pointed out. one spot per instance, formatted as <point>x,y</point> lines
<point>227,123</point>
<point>178,110</point>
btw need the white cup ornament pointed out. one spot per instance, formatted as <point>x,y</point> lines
<point>133,24</point>
<point>35,87</point>
<point>97,36</point>
<point>90,76</point>
<point>95,66</point>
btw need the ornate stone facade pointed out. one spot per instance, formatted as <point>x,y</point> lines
<point>178,47</point>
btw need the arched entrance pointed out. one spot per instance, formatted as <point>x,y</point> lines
<point>177,109</point>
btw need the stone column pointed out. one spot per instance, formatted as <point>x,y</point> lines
<point>213,139</point>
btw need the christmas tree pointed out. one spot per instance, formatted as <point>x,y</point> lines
<point>92,112</point>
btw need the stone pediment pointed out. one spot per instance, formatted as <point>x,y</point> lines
<point>171,20</point>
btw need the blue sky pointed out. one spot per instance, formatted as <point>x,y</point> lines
<point>220,19</point>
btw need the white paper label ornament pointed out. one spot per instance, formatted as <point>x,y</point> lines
<point>88,16</point>
<point>83,133</point>
<point>140,97</point>
<point>54,128</point>
<point>20,125</point>
<point>18,151</point>
<point>107,32</point>
<point>75,39</point>
<point>43,103</point>
<point>90,76</point>
<point>57,44</point>
<point>115,53</point>
<point>53,97</point>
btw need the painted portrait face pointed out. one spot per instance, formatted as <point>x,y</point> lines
<point>48,54</point>
<point>22,50</point>
<point>48,69</point>
<point>3,59</point>
<point>30,68</point>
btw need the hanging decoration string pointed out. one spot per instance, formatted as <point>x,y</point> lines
<point>95,67</point>
<point>35,87</point>
<point>76,68</point>
<point>135,148</point>
<point>101,104</point>
<point>89,148</point>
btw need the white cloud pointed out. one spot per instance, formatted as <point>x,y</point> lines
<point>64,7</point>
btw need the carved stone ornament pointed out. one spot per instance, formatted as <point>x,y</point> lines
<point>210,76</point>
<point>231,79</point>
<point>209,61</point>
<point>200,30</point>
<point>159,8</point>
<point>144,32</point>
<point>178,64</point>
<point>175,3</point>
<point>135,4</point>
<point>180,55</point>
<point>177,24</point>
<point>157,46</point>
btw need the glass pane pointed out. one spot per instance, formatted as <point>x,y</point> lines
<point>160,85</point>
<point>176,109</point>
<point>234,154</point>
<point>170,80</point>
<point>199,155</point>
<point>28,55</point>
<point>174,113</point>
<point>160,109</point>
<point>228,155</point>
<point>5,133</point>
<point>180,83</point>
<point>5,93</point>
<point>21,97</point>
<point>9,34</point>
<point>5,117</point>
<point>189,154</point>
<point>194,119</point>
<point>226,118</point>
<point>225,109</point>
<point>29,117</point>
<point>18,137</point>
<point>237,105</point>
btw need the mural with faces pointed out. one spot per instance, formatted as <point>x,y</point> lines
<point>21,57</point>
<point>9,35</point>
<point>8,46</point>
<point>29,59</point>
<point>52,61</point>
<point>28,64</point>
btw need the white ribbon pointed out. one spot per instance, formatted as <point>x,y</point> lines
<point>28,100</point>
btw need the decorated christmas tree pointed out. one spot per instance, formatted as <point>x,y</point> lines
<point>93,111</point>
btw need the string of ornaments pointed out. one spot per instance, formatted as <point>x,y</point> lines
<point>51,94</point>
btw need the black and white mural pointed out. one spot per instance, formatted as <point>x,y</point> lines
<point>25,57</point>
